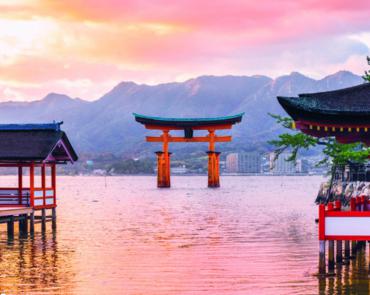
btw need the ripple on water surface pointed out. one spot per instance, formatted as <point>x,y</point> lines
<point>121,235</point>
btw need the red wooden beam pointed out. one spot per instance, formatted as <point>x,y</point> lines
<point>193,139</point>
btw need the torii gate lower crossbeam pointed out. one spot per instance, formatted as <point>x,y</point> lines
<point>188,125</point>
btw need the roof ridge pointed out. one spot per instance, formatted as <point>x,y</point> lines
<point>337,91</point>
<point>55,126</point>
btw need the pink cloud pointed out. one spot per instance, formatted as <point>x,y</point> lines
<point>155,41</point>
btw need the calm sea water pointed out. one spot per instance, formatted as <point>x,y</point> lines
<point>121,235</point>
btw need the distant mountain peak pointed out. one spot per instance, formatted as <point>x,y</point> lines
<point>52,96</point>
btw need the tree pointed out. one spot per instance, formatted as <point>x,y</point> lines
<point>367,73</point>
<point>335,153</point>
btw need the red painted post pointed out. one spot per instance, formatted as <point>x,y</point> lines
<point>54,182</point>
<point>43,184</point>
<point>20,185</point>
<point>32,185</point>
<point>330,206</point>
<point>365,203</point>
<point>362,203</point>
<point>353,204</point>
<point>338,205</point>
<point>322,264</point>
<point>358,203</point>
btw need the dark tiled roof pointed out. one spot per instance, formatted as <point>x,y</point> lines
<point>348,104</point>
<point>31,142</point>
<point>188,122</point>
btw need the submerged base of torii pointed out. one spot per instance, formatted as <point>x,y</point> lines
<point>188,125</point>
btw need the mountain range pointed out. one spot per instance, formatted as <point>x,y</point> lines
<point>107,124</point>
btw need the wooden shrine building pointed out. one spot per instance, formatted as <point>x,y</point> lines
<point>34,150</point>
<point>188,125</point>
<point>345,115</point>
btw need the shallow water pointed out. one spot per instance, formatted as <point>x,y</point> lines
<point>121,235</point>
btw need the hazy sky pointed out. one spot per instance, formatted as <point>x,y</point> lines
<point>83,48</point>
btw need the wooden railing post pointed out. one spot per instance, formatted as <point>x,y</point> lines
<point>43,184</point>
<point>54,182</point>
<point>32,185</point>
<point>20,185</point>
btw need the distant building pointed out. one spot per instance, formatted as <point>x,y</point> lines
<point>179,170</point>
<point>232,163</point>
<point>282,166</point>
<point>250,162</point>
<point>302,166</point>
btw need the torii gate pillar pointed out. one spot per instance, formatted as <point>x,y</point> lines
<point>213,169</point>
<point>163,166</point>
<point>213,161</point>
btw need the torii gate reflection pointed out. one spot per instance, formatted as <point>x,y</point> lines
<point>188,125</point>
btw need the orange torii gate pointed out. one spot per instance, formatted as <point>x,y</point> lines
<point>188,125</point>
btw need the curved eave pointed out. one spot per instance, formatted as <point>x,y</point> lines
<point>187,122</point>
<point>299,110</point>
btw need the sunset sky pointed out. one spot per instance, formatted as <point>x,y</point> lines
<point>84,48</point>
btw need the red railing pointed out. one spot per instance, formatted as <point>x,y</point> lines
<point>352,225</point>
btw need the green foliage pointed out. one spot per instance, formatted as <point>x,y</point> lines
<point>293,143</point>
<point>334,153</point>
<point>367,73</point>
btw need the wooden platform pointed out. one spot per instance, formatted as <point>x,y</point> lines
<point>14,211</point>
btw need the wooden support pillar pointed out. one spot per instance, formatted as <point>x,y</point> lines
<point>217,169</point>
<point>43,220</point>
<point>23,225</point>
<point>322,262</point>
<point>347,250</point>
<point>213,161</point>
<point>53,218</point>
<point>331,258</point>
<point>163,173</point>
<point>54,182</point>
<point>32,223</point>
<point>32,185</point>
<point>368,242</point>
<point>10,227</point>
<point>213,169</point>
<point>339,256</point>
<point>20,185</point>
<point>43,183</point>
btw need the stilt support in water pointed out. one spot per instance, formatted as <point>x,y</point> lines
<point>213,169</point>
<point>32,223</point>
<point>322,262</point>
<point>331,257</point>
<point>53,218</point>
<point>347,250</point>
<point>10,227</point>
<point>353,249</point>
<point>23,225</point>
<point>43,220</point>
<point>339,255</point>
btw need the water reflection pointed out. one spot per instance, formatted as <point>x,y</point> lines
<point>350,278</point>
<point>33,264</point>
<point>121,235</point>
